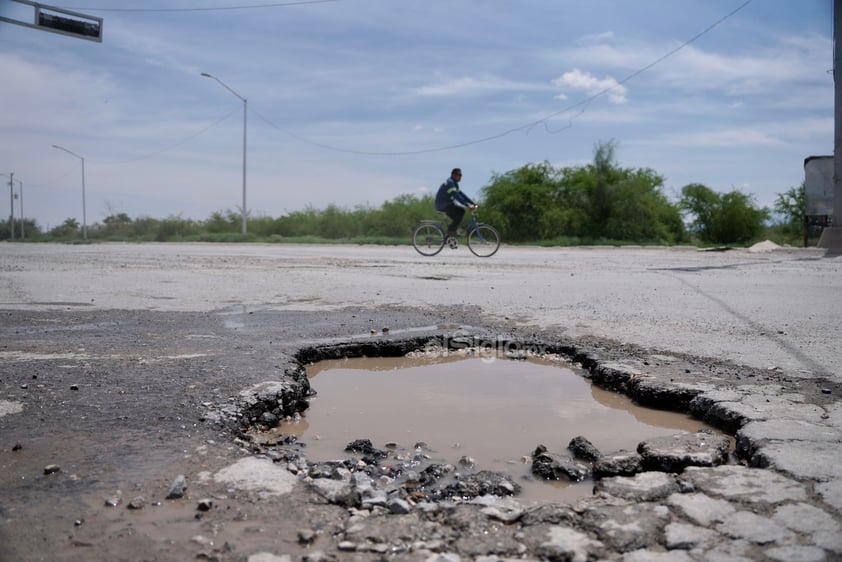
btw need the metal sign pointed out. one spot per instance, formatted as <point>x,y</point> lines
<point>818,185</point>
<point>59,20</point>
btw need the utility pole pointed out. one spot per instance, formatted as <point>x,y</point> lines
<point>831,238</point>
<point>837,136</point>
<point>22,235</point>
<point>12,205</point>
<point>245,114</point>
<point>84,213</point>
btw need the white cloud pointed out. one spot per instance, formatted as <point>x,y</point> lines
<point>591,85</point>
<point>724,138</point>
<point>771,134</point>
<point>373,77</point>
<point>763,71</point>
<point>601,37</point>
<point>468,85</point>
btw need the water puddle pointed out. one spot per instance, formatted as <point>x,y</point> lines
<point>494,411</point>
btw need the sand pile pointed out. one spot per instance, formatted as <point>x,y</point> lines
<point>765,246</point>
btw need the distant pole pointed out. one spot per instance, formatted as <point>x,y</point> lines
<point>831,237</point>
<point>837,137</point>
<point>12,205</point>
<point>84,213</point>
<point>84,205</point>
<point>245,114</point>
<point>22,235</point>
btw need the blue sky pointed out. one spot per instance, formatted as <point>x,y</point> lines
<point>355,102</point>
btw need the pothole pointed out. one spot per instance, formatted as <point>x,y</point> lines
<point>471,414</point>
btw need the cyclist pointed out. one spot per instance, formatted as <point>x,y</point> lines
<point>452,201</point>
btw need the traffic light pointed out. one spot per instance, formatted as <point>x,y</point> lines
<point>85,27</point>
<point>59,20</point>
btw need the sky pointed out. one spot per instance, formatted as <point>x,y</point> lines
<point>357,102</point>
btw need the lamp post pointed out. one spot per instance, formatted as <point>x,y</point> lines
<point>245,112</point>
<point>22,236</point>
<point>11,204</point>
<point>84,217</point>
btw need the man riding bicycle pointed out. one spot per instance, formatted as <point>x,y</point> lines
<point>451,201</point>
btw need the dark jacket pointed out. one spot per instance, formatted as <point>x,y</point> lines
<point>450,194</point>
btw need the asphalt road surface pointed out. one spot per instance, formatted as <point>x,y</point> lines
<point>111,355</point>
<point>762,307</point>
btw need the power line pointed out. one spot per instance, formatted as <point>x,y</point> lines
<point>581,105</point>
<point>145,156</point>
<point>217,9</point>
<point>173,145</point>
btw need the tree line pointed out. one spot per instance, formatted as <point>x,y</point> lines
<point>597,203</point>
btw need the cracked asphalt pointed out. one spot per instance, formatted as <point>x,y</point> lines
<point>112,354</point>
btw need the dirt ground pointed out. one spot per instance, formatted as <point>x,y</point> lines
<point>118,399</point>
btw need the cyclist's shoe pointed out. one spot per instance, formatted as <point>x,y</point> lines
<point>451,241</point>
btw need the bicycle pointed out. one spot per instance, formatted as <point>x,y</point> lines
<point>430,236</point>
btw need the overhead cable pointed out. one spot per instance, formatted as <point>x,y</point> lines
<point>581,105</point>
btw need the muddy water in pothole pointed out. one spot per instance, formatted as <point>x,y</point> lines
<point>493,411</point>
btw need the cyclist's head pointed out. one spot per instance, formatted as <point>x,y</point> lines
<point>456,173</point>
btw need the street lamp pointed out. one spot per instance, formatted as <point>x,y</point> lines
<point>245,112</point>
<point>84,217</point>
<point>22,236</point>
<point>11,204</point>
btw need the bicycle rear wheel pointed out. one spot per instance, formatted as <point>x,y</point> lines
<point>428,239</point>
<point>483,240</point>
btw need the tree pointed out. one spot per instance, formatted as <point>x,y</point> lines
<point>398,216</point>
<point>638,210</point>
<point>70,227</point>
<point>597,201</point>
<point>299,223</point>
<point>605,175</point>
<point>117,224</point>
<point>701,203</point>
<point>335,223</point>
<point>722,218</point>
<point>119,218</point>
<point>618,203</point>
<point>518,201</point>
<point>227,222</point>
<point>792,205</point>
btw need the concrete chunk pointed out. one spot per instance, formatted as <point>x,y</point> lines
<point>624,463</point>
<point>734,482</point>
<point>646,555</point>
<point>568,544</point>
<point>701,509</point>
<point>796,553</point>
<point>257,474</point>
<point>684,536</point>
<point>674,453</point>
<point>801,460</point>
<point>337,492</point>
<point>646,486</point>
<point>754,528</point>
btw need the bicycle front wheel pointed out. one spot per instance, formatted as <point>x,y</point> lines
<point>484,240</point>
<point>428,239</point>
